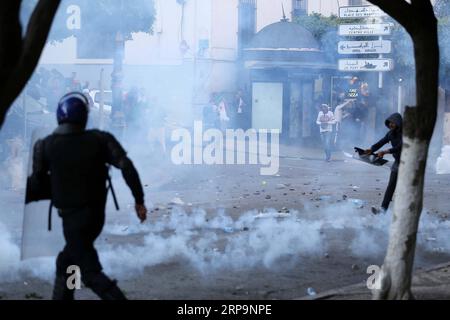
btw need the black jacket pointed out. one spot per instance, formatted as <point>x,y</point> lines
<point>393,136</point>
<point>74,161</point>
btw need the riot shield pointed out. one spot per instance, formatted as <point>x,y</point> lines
<point>38,240</point>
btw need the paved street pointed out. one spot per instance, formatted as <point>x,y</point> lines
<point>226,232</point>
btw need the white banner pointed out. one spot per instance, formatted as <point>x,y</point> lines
<point>376,29</point>
<point>361,47</point>
<point>378,65</point>
<point>361,12</point>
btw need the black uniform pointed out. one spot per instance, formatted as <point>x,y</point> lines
<point>76,161</point>
<point>396,140</point>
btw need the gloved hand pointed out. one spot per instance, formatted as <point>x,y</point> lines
<point>141,212</point>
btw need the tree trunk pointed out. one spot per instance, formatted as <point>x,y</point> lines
<point>398,263</point>
<point>419,20</point>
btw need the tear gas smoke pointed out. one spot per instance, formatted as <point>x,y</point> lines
<point>211,244</point>
<point>9,254</point>
<point>220,243</point>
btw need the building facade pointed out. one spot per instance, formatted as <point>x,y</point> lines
<point>196,49</point>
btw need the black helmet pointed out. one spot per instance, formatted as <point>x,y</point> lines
<point>73,108</point>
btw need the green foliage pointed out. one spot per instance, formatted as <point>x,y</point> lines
<point>320,25</point>
<point>324,29</point>
<point>104,17</point>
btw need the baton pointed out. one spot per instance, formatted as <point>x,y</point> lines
<point>110,187</point>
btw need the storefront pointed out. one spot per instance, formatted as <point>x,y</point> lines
<point>287,76</point>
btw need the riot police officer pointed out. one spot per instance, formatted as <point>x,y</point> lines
<point>75,161</point>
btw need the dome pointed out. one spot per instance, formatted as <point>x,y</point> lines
<point>284,35</point>
<point>285,44</point>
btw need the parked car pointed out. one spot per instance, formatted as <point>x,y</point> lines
<point>107,100</point>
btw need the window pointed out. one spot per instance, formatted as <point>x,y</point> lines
<point>300,4</point>
<point>299,8</point>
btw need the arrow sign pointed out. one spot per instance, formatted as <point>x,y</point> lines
<point>376,29</point>
<point>378,65</point>
<point>361,12</point>
<point>361,47</point>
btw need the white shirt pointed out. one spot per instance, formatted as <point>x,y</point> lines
<point>326,121</point>
<point>241,104</point>
<point>338,112</point>
<point>223,112</point>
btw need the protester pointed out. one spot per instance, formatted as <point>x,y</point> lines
<point>239,110</point>
<point>223,115</point>
<point>210,115</point>
<point>394,136</point>
<point>325,120</point>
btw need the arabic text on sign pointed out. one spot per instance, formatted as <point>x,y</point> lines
<point>361,12</point>
<point>361,47</point>
<point>378,65</point>
<point>379,29</point>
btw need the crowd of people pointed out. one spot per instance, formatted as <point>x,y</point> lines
<point>347,124</point>
<point>224,112</point>
<point>143,117</point>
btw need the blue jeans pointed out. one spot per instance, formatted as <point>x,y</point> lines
<point>326,140</point>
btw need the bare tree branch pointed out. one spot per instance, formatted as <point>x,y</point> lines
<point>33,44</point>
<point>400,10</point>
<point>423,8</point>
<point>10,38</point>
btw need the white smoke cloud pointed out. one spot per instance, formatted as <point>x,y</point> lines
<point>9,254</point>
<point>216,243</point>
<point>211,243</point>
<point>220,243</point>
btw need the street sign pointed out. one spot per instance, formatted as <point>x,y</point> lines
<point>361,47</point>
<point>376,29</point>
<point>361,12</point>
<point>355,65</point>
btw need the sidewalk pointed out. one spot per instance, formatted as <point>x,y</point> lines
<point>308,153</point>
<point>429,284</point>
